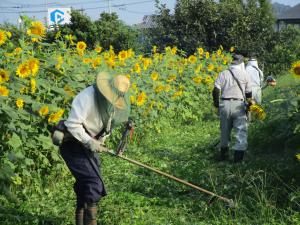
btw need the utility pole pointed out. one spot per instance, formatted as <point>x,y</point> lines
<point>81,10</point>
<point>46,12</point>
<point>109,7</point>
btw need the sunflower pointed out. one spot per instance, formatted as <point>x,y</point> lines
<point>132,99</point>
<point>130,53</point>
<point>210,67</point>
<point>111,62</point>
<point>34,40</point>
<point>122,55</point>
<point>168,49</point>
<point>8,34</point>
<point>208,80</point>
<point>3,37</point>
<point>97,61</point>
<point>298,156</point>
<point>81,46</point>
<point>295,70</point>
<point>23,90</point>
<point>141,99</point>
<point>55,117</point>
<point>18,51</point>
<point>4,76</point>
<point>70,92</point>
<point>177,94</point>
<point>167,88</point>
<point>70,38</point>
<point>257,111</point>
<point>98,49</point>
<point>20,103</point>
<point>219,52</point>
<point>207,55</point>
<point>33,85</point>
<point>4,91</point>
<point>192,59</point>
<point>86,60</point>
<point>200,51</point>
<point>154,49</point>
<point>171,78</point>
<point>146,63</point>
<point>23,70</point>
<point>44,111</point>
<point>174,50</point>
<point>137,68</point>
<point>154,75</point>
<point>34,65</point>
<point>198,68</point>
<point>197,79</point>
<point>37,28</point>
<point>159,88</point>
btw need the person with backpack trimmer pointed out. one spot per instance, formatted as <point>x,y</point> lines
<point>257,78</point>
<point>94,112</point>
<point>236,95</point>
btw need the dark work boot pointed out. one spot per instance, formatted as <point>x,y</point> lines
<point>79,216</point>
<point>238,156</point>
<point>224,154</point>
<point>90,214</point>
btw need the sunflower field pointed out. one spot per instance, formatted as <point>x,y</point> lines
<point>38,81</point>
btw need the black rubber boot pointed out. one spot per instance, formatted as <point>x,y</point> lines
<point>79,216</point>
<point>224,154</point>
<point>238,156</point>
<point>90,214</point>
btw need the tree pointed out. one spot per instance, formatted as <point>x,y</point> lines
<point>112,31</point>
<point>245,24</point>
<point>105,31</point>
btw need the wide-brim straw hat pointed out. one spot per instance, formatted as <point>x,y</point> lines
<point>114,88</point>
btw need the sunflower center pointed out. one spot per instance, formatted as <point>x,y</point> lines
<point>297,70</point>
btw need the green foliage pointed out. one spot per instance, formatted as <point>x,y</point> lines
<point>246,25</point>
<point>281,129</point>
<point>286,50</point>
<point>105,31</point>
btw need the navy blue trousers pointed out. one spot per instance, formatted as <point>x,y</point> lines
<point>88,187</point>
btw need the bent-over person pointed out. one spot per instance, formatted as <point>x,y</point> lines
<point>94,112</point>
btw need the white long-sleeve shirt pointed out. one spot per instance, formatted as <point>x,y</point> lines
<point>84,114</point>
<point>257,76</point>
<point>229,87</point>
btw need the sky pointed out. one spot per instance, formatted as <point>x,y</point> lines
<point>130,11</point>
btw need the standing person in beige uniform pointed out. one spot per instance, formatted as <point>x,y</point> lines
<point>235,87</point>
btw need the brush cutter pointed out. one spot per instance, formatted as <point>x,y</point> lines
<point>121,148</point>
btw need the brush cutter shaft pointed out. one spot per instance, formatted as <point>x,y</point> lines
<point>230,201</point>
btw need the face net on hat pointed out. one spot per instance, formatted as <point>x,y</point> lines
<point>113,97</point>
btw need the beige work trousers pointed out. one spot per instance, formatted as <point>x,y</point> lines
<point>233,117</point>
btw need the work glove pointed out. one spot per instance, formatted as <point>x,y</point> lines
<point>250,102</point>
<point>271,81</point>
<point>95,146</point>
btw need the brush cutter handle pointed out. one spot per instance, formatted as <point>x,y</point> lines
<point>229,201</point>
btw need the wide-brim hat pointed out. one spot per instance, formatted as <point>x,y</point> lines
<point>115,89</point>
